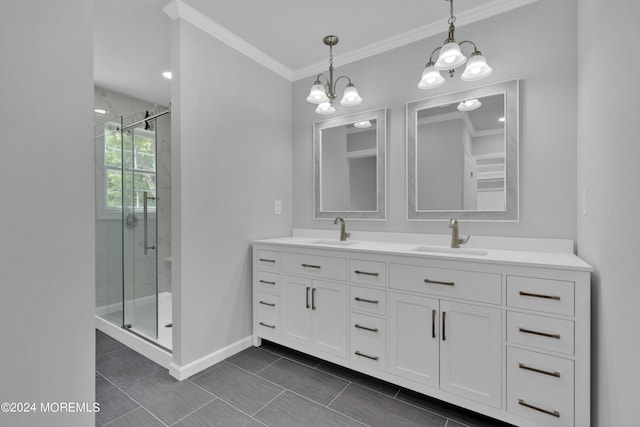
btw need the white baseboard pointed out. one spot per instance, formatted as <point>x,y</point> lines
<point>183,372</point>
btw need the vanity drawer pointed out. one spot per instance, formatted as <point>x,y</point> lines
<point>368,272</point>
<point>540,387</point>
<point>550,296</point>
<point>367,340</point>
<point>267,318</point>
<point>539,331</point>
<point>319,266</point>
<point>367,299</point>
<point>471,285</point>
<point>268,260</point>
<point>267,281</point>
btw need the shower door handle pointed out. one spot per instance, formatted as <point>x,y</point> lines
<point>144,215</point>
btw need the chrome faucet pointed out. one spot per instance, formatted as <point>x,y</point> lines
<point>343,232</point>
<point>456,240</point>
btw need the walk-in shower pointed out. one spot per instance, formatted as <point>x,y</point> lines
<point>133,280</point>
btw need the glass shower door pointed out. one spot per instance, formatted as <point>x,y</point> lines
<point>139,231</point>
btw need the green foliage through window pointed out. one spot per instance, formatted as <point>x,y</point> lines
<point>130,166</point>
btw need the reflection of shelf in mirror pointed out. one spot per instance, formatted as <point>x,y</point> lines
<point>358,154</point>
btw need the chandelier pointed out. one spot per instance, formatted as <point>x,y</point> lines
<point>451,57</point>
<point>324,94</point>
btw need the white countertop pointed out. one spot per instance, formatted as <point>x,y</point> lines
<point>558,260</point>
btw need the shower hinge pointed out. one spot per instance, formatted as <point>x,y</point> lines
<point>127,326</point>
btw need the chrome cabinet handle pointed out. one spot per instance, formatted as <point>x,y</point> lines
<point>543,334</point>
<point>267,303</point>
<point>438,282</point>
<point>530,294</point>
<point>357,353</point>
<point>544,411</point>
<point>313,299</point>
<point>539,371</point>
<point>266,260</point>
<point>145,199</point>
<point>310,266</point>
<point>433,323</point>
<point>308,296</point>
<point>366,328</point>
<point>266,282</point>
<point>267,325</point>
<point>370,301</point>
<point>366,273</point>
<point>444,319</point>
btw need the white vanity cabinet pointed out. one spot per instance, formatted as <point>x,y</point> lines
<point>506,334</point>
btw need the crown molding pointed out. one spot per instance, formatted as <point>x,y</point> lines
<point>472,15</point>
<point>179,9</point>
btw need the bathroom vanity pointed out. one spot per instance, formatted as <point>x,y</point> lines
<point>505,333</point>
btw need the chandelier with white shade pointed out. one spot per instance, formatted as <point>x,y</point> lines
<point>451,57</point>
<point>323,94</point>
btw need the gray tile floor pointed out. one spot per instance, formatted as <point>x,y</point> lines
<point>266,386</point>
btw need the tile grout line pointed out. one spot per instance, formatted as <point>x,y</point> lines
<point>196,410</point>
<point>326,407</point>
<point>130,397</point>
<point>338,395</point>
<point>267,404</point>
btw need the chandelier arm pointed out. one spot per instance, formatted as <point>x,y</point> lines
<point>475,48</point>
<point>335,84</point>
<point>431,56</point>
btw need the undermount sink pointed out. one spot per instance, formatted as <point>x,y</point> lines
<point>334,242</point>
<point>452,251</point>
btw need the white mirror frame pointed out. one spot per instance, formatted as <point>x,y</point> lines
<point>511,213</point>
<point>380,115</point>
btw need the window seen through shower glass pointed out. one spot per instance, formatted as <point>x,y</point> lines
<point>136,165</point>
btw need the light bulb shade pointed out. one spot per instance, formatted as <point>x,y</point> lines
<point>317,94</point>
<point>351,97</point>
<point>431,78</point>
<point>476,69</point>
<point>363,124</point>
<point>469,105</point>
<point>325,108</point>
<point>450,57</point>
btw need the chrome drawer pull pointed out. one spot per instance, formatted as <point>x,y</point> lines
<point>539,371</point>
<point>313,299</point>
<point>370,301</point>
<point>308,296</point>
<point>444,323</point>
<point>543,334</point>
<point>268,326</point>
<point>267,303</point>
<point>366,355</point>
<point>544,411</point>
<point>529,294</point>
<point>366,273</point>
<point>267,260</point>
<point>366,328</point>
<point>266,282</point>
<point>437,282</point>
<point>310,266</point>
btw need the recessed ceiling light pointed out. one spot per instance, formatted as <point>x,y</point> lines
<point>167,75</point>
<point>100,111</point>
<point>501,119</point>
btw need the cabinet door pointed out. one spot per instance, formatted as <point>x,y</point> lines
<point>470,362</point>
<point>329,308</point>
<point>413,338</point>
<point>295,309</point>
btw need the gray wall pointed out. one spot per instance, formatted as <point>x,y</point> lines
<point>519,44</point>
<point>46,215</point>
<point>231,158</point>
<point>608,153</point>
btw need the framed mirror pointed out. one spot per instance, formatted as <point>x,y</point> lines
<point>349,159</point>
<point>462,155</point>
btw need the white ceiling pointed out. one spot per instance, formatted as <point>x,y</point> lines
<point>132,37</point>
